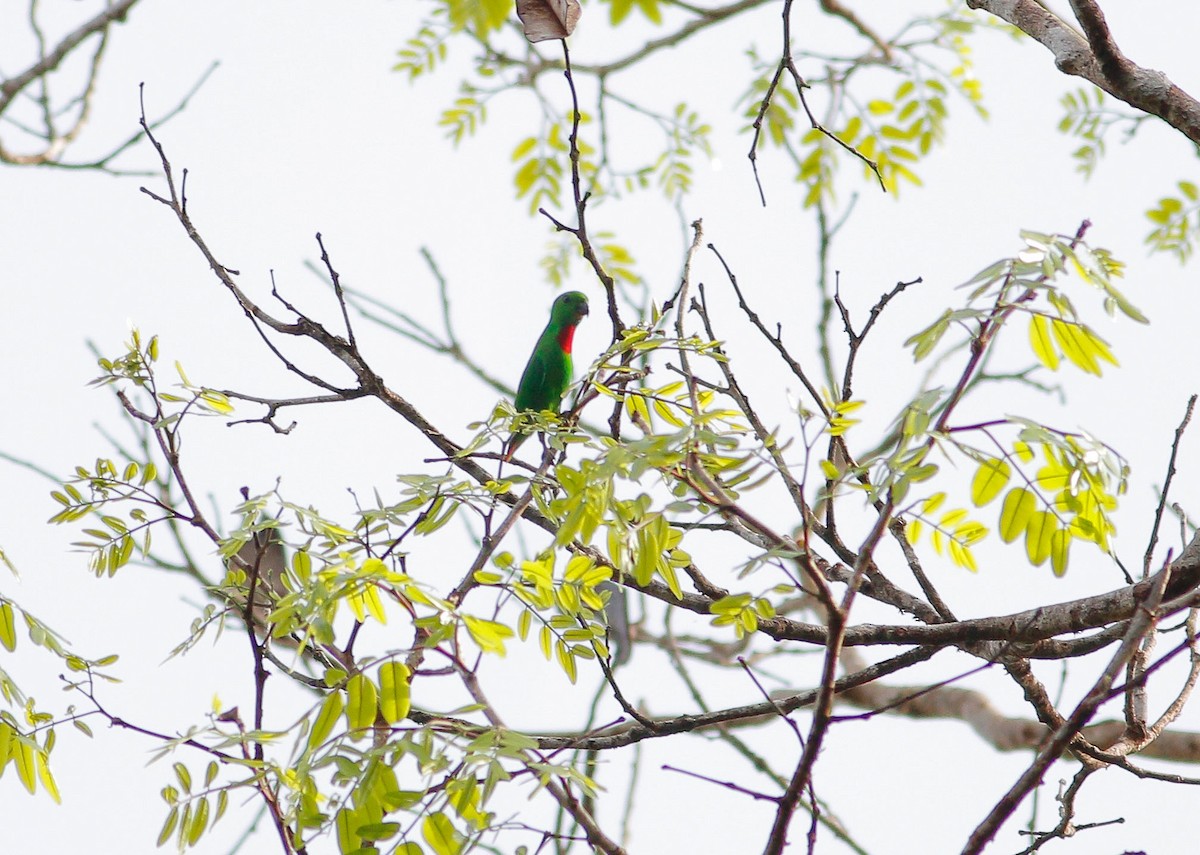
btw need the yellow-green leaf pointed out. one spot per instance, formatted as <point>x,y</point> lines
<point>991,477</point>
<point>184,776</point>
<point>671,578</point>
<point>8,631</point>
<point>360,702</point>
<point>1039,536</point>
<point>47,779</point>
<point>440,833</point>
<point>1019,505</point>
<point>962,556</point>
<point>6,743</point>
<point>199,822</point>
<point>1097,346</point>
<point>524,622</point>
<point>331,709</point>
<point>1074,346</point>
<point>567,661</point>
<point>394,691</point>
<point>26,765</point>
<point>490,634</point>
<point>168,827</point>
<point>347,834</point>
<point>1040,340</point>
<point>1060,546</point>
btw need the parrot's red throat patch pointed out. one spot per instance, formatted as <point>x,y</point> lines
<point>566,338</point>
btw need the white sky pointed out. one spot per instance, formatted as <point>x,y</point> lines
<point>302,129</point>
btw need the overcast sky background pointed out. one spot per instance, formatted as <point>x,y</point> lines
<point>304,128</point>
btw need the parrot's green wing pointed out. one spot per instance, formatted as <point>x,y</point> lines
<point>541,379</point>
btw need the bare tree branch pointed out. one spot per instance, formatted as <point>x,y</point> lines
<point>48,61</point>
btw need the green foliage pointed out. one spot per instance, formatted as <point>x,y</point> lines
<point>376,758</point>
<point>465,117</point>
<point>1022,283</point>
<point>1069,497</point>
<point>480,17</point>
<point>742,612</point>
<point>839,413</point>
<point>569,610</point>
<point>1072,495</point>
<point>620,10</point>
<point>901,130</point>
<point>191,813</point>
<point>21,750</point>
<point>1175,218</point>
<point>955,25</point>
<point>1086,118</point>
<point>614,257</point>
<point>449,778</point>
<point>894,133</point>
<point>1089,117</point>
<point>20,747</point>
<point>105,485</point>
<point>779,119</point>
<point>1176,222</point>
<point>686,133</point>
<point>423,52</point>
<point>333,581</point>
<point>543,164</point>
<point>953,532</point>
<point>556,263</point>
<point>356,765</point>
<point>133,486</point>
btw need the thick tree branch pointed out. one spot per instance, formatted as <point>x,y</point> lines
<point>1096,58</point>
<point>1148,614</point>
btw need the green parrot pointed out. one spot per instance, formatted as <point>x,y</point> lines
<point>548,372</point>
<point>543,383</point>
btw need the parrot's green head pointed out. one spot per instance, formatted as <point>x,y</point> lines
<point>569,309</point>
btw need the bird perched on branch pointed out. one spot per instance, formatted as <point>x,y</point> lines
<point>548,372</point>
<point>543,383</point>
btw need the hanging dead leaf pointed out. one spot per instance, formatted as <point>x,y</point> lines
<point>548,19</point>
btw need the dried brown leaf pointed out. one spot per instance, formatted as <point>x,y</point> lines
<point>548,19</point>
